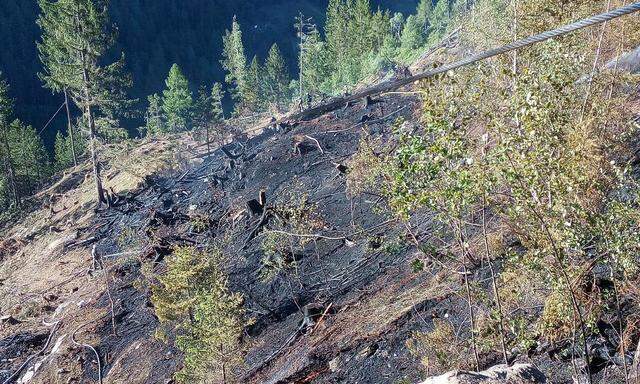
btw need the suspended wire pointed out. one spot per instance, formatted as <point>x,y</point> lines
<point>51,119</point>
<point>395,84</point>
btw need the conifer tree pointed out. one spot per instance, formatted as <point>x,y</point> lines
<point>63,150</point>
<point>195,297</point>
<point>423,13</point>
<point>439,20</point>
<point>6,109</point>
<point>75,36</point>
<point>254,87</point>
<point>234,62</point>
<point>314,67</point>
<point>412,36</point>
<point>154,116</point>
<point>28,156</point>
<point>202,111</point>
<point>304,28</point>
<point>217,112</point>
<point>177,100</point>
<point>276,78</point>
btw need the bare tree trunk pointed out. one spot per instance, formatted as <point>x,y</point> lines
<point>92,136</point>
<point>70,127</point>
<point>94,157</point>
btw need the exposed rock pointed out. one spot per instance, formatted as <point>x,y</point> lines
<point>499,374</point>
<point>628,62</point>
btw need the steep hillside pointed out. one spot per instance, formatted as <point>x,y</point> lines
<point>339,309</point>
<point>482,216</point>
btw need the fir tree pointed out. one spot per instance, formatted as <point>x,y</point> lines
<point>154,117</point>
<point>202,112</point>
<point>276,78</point>
<point>75,36</point>
<point>412,36</point>
<point>177,100</point>
<point>28,156</point>
<point>314,66</point>
<point>9,183</point>
<point>439,20</point>
<point>254,90</point>
<point>217,112</point>
<point>63,150</point>
<point>423,14</point>
<point>194,295</point>
<point>234,62</point>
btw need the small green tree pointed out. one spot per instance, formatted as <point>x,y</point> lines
<point>154,117</point>
<point>217,112</point>
<point>439,20</point>
<point>63,150</point>
<point>193,295</point>
<point>276,79</point>
<point>202,117</point>
<point>314,68</point>
<point>177,101</point>
<point>28,156</point>
<point>254,91</point>
<point>9,183</point>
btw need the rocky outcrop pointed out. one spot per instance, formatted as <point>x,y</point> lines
<point>628,62</point>
<point>499,374</point>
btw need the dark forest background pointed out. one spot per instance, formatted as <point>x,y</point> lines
<point>154,34</point>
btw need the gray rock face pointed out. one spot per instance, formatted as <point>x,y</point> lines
<point>628,62</point>
<point>499,374</point>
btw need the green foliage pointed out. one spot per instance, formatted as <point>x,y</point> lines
<point>177,101</point>
<point>441,348</point>
<point>234,62</point>
<point>276,79</point>
<point>217,94</point>
<point>62,152</point>
<point>193,295</point>
<point>202,109</point>
<point>23,158</point>
<point>253,94</point>
<point>155,123</point>
<point>288,234</point>
<point>75,36</point>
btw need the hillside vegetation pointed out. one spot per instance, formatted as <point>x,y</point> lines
<point>485,216</point>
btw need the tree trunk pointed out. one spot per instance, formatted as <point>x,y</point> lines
<point>92,134</point>
<point>70,127</point>
<point>94,157</point>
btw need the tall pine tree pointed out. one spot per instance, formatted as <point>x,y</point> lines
<point>276,79</point>
<point>177,100</point>
<point>234,62</point>
<point>75,36</point>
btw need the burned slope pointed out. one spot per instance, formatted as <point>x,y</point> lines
<point>326,275</point>
<point>342,293</point>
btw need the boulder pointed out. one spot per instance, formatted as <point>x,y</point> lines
<point>499,374</point>
<point>627,62</point>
